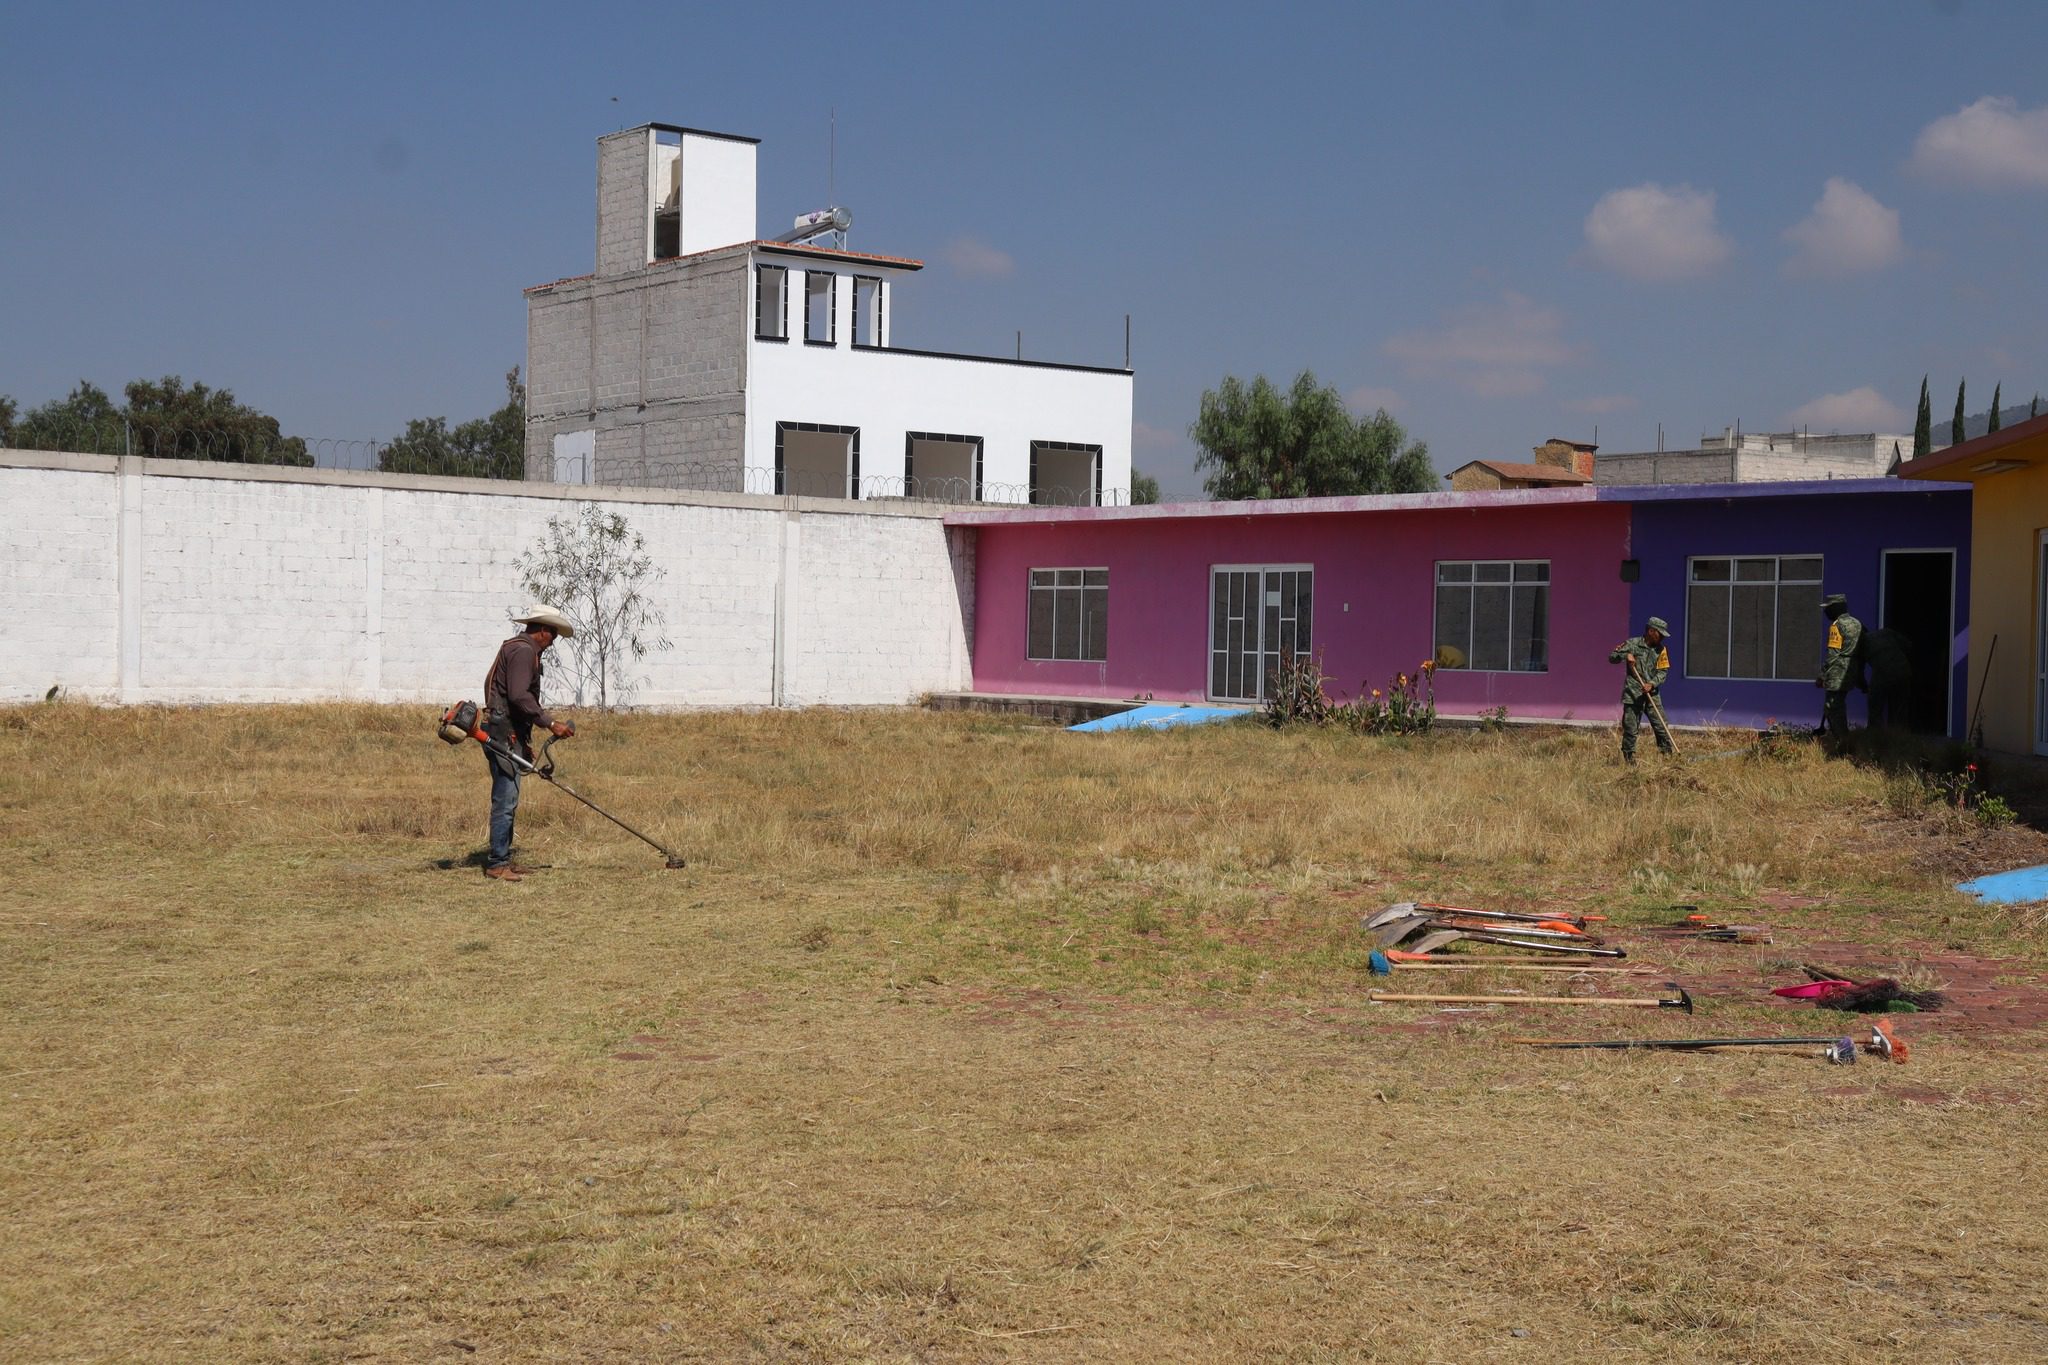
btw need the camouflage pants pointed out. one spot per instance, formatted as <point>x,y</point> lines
<point>1632,713</point>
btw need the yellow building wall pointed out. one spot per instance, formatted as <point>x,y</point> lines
<point>2008,513</point>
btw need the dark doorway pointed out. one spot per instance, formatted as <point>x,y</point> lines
<point>1919,596</point>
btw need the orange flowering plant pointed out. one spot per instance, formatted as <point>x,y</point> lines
<point>1407,707</point>
<point>1297,692</point>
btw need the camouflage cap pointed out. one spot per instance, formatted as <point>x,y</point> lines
<point>1835,599</point>
<point>1658,624</point>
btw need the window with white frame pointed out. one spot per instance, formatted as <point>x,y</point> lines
<point>1493,615</point>
<point>1069,615</point>
<point>771,303</point>
<point>1753,617</point>
<point>821,302</point>
<point>1259,616</point>
<point>867,310</point>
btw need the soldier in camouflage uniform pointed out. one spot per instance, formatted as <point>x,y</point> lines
<point>1639,684</point>
<point>1841,669</point>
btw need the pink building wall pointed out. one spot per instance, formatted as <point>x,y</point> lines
<point>1374,605</point>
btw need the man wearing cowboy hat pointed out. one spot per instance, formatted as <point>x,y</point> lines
<point>512,708</point>
<point>1652,664</point>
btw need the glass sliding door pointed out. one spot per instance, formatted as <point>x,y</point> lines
<point>1258,616</point>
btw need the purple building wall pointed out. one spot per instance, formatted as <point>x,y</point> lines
<point>1849,523</point>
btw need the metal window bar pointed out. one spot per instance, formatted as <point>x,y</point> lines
<point>1712,585</point>
<point>1523,589</point>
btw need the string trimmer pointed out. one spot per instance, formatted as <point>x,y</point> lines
<point>1883,1043</point>
<point>459,722</point>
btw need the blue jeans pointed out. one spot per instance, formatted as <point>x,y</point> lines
<point>504,805</point>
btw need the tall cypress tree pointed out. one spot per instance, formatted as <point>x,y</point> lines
<point>2034,410</point>
<point>1923,425</point>
<point>1996,390</point>
<point>1955,428</point>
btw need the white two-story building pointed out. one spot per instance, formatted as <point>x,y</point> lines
<point>699,356</point>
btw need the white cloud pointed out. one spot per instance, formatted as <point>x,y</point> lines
<point>1370,398</point>
<point>1601,404</point>
<point>976,259</point>
<point>1847,233</point>
<point>1863,409</point>
<point>1494,350</point>
<point>1648,232</point>
<point>1993,142</point>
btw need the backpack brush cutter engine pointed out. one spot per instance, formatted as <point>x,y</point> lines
<point>459,722</point>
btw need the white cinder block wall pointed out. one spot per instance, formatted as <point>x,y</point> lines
<point>60,563</point>
<point>174,581</point>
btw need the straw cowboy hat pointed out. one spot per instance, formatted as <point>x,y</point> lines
<point>549,617</point>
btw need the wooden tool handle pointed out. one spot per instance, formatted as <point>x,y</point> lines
<point>1379,996</point>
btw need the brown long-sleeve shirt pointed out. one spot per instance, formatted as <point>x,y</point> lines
<point>512,688</point>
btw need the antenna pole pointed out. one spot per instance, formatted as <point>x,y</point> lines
<point>1127,341</point>
<point>1020,343</point>
<point>832,161</point>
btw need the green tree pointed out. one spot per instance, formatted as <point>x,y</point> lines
<point>1955,428</point>
<point>164,418</point>
<point>170,421</point>
<point>492,447</point>
<point>2034,408</point>
<point>596,568</point>
<point>85,420</point>
<point>1997,392</point>
<point>7,411</point>
<point>1258,442</point>
<point>1923,424</point>
<point>1144,489</point>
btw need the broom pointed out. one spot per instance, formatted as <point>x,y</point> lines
<point>1877,996</point>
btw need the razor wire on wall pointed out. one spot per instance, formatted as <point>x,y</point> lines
<point>241,446</point>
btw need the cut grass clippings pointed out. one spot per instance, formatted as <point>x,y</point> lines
<point>959,1039</point>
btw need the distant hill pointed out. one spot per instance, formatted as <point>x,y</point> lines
<point>1977,423</point>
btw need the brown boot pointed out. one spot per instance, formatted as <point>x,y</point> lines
<point>504,873</point>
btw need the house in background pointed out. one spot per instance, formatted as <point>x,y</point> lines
<point>1557,463</point>
<point>2008,642</point>
<point>1517,595</point>
<point>1758,457</point>
<point>700,356</point>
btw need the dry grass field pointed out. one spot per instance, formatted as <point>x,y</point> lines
<point>966,1040</point>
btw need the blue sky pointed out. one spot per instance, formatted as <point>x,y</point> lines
<point>1504,219</point>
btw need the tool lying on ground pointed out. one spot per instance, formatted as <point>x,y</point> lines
<point>1384,964</point>
<point>1831,990</point>
<point>1424,930</point>
<point>1656,707</point>
<point>1883,1043</point>
<point>1683,1001</point>
<point>1699,926</point>
<point>459,722</point>
<point>1443,938</point>
<point>1408,909</point>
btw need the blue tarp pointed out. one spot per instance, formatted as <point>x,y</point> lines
<point>1161,717</point>
<point>2007,888</point>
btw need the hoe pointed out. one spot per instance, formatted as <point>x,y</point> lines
<point>460,722</point>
